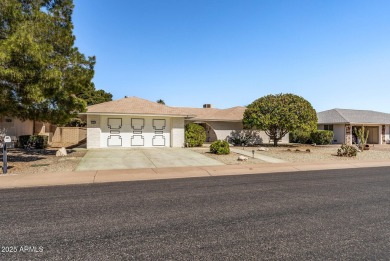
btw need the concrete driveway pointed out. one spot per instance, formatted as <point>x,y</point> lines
<point>135,158</point>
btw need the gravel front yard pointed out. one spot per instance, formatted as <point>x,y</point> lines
<point>298,153</point>
<point>31,162</point>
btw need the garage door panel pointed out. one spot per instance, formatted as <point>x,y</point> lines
<point>114,140</point>
<point>137,140</point>
<point>158,140</point>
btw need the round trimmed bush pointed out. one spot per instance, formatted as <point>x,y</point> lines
<point>322,137</point>
<point>299,136</point>
<point>220,147</point>
<point>195,135</point>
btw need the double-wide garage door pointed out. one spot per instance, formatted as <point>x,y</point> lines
<point>138,132</point>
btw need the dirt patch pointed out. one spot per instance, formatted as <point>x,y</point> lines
<point>21,161</point>
<point>230,159</point>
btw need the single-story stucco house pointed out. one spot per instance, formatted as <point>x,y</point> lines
<point>343,123</point>
<point>136,122</point>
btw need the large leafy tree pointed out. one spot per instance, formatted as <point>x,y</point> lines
<point>92,96</point>
<point>279,114</point>
<point>43,76</point>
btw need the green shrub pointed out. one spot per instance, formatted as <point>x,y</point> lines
<point>238,138</point>
<point>347,151</point>
<point>298,136</point>
<point>40,141</point>
<point>195,135</point>
<point>220,147</point>
<point>76,122</point>
<point>322,137</point>
<point>33,141</point>
<point>23,141</point>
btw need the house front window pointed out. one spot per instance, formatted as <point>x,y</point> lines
<point>328,127</point>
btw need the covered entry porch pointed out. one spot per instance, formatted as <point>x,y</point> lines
<point>377,134</point>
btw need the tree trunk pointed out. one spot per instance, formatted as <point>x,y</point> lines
<point>275,142</point>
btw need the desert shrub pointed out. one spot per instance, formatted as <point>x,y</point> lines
<point>40,141</point>
<point>220,147</point>
<point>195,135</point>
<point>23,140</point>
<point>33,141</point>
<point>322,137</point>
<point>298,136</point>
<point>244,137</point>
<point>347,151</point>
<point>238,139</point>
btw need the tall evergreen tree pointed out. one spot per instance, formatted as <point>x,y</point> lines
<point>43,76</point>
<point>161,101</point>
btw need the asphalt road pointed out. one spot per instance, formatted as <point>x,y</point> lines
<point>322,215</point>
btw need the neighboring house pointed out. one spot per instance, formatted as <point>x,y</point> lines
<point>136,122</point>
<point>15,127</point>
<point>343,123</point>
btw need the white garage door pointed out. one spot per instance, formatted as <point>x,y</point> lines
<point>138,132</point>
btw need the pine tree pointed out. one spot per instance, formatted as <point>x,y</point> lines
<point>42,74</point>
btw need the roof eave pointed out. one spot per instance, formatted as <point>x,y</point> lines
<point>138,114</point>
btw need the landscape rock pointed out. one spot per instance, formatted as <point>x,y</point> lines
<point>61,152</point>
<point>242,158</point>
<point>263,149</point>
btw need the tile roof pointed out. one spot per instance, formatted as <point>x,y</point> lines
<point>135,105</point>
<point>335,116</point>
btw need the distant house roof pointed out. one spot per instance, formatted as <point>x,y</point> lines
<point>335,116</point>
<point>135,105</point>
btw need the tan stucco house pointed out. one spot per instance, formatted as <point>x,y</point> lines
<point>136,122</point>
<point>344,121</point>
<point>15,127</point>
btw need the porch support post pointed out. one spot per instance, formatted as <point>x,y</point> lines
<point>348,138</point>
<point>383,136</point>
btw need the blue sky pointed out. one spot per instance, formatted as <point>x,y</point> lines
<point>335,54</point>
